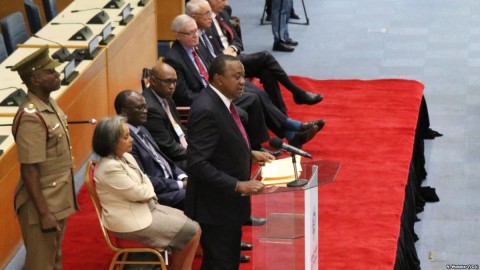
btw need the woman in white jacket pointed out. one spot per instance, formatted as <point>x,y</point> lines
<point>130,207</point>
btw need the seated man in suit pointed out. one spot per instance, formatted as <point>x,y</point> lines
<point>163,121</point>
<point>191,62</point>
<point>169,181</point>
<point>260,65</point>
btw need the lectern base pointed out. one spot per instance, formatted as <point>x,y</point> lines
<point>297,183</point>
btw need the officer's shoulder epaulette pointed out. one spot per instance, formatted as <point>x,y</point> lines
<point>29,108</point>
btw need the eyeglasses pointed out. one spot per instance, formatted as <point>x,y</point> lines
<point>190,34</point>
<point>165,81</point>
<point>138,108</point>
<point>208,13</point>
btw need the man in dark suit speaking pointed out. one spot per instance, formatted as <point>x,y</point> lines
<point>219,162</point>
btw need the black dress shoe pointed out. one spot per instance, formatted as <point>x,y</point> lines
<point>280,46</point>
<point>307,98</point>
<point>432,134</point>
<point>256,221</point>
<point>292,42</point>
<point>307,125</point>
<point>303,137</point>
<point>429,194</point>
<point>244,258</point>
<point>246,246</point>
<point>294,16</point>
<point>275,153</point>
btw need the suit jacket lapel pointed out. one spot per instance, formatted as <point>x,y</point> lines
<point>226,113</point>
<point>214,40</point>
<point>187,61</point>
<point>204,54</point>
<point>158,105</point>
<point>150,139</point>
<point>216,36</point>
<point>138,140</point>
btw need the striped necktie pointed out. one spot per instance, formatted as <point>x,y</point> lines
<point>200,65</point>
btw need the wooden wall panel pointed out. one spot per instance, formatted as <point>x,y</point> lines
<point>10,233</point>
<point>85,99</point>
<point>130,52</point>
<point>167,10</point>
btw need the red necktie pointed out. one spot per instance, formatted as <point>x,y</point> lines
<point>200,65</point>
<point>226,29</point>
<point>235,116</point>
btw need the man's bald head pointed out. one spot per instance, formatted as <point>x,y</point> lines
<point>163,79</point>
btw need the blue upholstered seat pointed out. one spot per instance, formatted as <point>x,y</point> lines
<point>50,9</point>
<point>14,30</point>
<point>3,50</point>
<point>33,16</point>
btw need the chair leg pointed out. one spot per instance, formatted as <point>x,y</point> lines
<point>263,14</point>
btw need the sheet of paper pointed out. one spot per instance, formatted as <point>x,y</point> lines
<point>280,171</point>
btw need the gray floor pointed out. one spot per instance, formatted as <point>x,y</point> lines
<point>434,41</point>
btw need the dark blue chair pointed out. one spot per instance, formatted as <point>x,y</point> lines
<point>50,9</point>
<point>3,50</point>
<point>14,31</point>
<point>33,16</point>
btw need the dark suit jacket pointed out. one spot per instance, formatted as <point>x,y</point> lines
<point>189,82</point>
<point>167,190</point>
<point>218,156</point>
<point>236,41</point>
<point>160,127</point>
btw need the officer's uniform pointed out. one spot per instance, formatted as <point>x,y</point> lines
<point>41,136</point>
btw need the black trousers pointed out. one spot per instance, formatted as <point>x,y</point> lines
<point>274,118</point>
<point>264,66</point>
<point>221,247</point>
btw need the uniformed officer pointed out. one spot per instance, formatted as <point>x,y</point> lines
<point>45,194</point>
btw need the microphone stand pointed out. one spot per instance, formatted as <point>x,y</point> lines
<point>297,182</point>
<point>91,121</point>
<point>307,20</point>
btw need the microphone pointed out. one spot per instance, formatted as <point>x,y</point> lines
<point>277,143</point>
<point>16,98</point>
<point>100,18</point>
<point>142,3</point>
<point>82,34</point>
<point>89,121</point>
<point>61,55</point>
<point>114,4</point>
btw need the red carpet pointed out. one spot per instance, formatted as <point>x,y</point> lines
<point>370,130</point>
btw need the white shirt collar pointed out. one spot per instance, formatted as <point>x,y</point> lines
<point>225,100</point>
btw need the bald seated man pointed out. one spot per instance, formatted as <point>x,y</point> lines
<point>163,120</point>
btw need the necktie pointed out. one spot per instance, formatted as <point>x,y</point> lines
<point>200,65</point>
<point>226,29</point>
<point>235,116</point>
<point>163,162</point>
<point>207,44</point>
<point>176,126</point>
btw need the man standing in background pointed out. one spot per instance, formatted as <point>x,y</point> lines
<point>45,195</point>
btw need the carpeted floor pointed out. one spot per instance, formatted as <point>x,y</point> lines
<point>370,130</point>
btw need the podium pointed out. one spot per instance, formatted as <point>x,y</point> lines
<point>289,239</point>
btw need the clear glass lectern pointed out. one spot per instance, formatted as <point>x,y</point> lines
<point>289,239</point>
